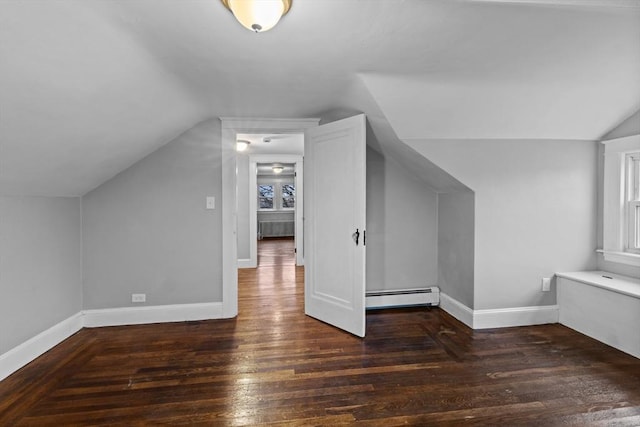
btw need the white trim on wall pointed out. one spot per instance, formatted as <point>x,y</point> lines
<point>24,353</point>
<point>517,316</point>
<point>245,263</point>
<point>29,350</point>
<point>456,309</point>
<point>151,314</point>
<point>229,222</point>
<point>500,317</point>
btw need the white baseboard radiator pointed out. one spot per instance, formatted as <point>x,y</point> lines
<point>275,228</point>
<point>403,297</point>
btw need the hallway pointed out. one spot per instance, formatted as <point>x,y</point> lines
<point>275,287</point>
<point>274,252</point>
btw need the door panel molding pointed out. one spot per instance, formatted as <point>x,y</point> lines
<point>335,206</point>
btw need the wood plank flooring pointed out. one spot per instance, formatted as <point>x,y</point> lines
<point>274,366</point>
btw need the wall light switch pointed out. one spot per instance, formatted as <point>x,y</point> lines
<point>211,202</point>
<point>546,284</point>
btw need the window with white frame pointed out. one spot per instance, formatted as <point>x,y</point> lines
<point>632,202</point>
<point>276,197</point>
<point>266,196</point>
<point>621,222</point>
<point>288,192</point>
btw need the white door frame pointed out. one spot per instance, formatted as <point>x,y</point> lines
<point>229,128</point>
<point>253,203</point>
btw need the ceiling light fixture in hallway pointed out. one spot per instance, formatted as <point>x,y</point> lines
<point>258,15</point>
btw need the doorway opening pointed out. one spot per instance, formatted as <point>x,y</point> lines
<point>231,127</point>
<point>335,295</point>
<point>270,200</point>
<point>276,206</point>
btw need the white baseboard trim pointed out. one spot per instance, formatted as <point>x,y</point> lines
<point>456,309</point>
<point>517,316</point>
<point>24,353</point>
<point>246,263</point>
<point>29,350</point>
<point>152,314</point>
<point>499,318</point>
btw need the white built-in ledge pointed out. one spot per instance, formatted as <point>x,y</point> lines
<point>602,279</point>
<point>602,305</point>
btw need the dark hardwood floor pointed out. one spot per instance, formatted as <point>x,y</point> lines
<point>273,365</point>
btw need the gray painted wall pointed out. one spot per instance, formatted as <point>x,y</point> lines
<point>40,265</point>
<point>147,230</point>
<point>535,205</point>
<point>402,230</point>
<point>456,237</point>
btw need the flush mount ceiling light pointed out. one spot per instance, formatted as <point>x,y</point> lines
<point>242,144</point>
<point>258,15</point>
<point>277,169</point>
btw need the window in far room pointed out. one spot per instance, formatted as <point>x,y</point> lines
<point>265,196</point>
<point>288,196</point>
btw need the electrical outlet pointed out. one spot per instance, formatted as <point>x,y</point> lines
<point>211,202</point>
<point>546,284</point>
<point>138,297</point>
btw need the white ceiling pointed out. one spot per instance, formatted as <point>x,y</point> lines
<point>89,87</point>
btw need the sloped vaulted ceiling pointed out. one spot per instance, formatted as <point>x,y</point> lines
<point>549,73</point>
<point>88,87</point>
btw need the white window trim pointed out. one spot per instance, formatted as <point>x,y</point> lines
<point>614,221</point>
<point>273,201</point>
<point>281,197</point>
<point>632,204</point>
<point>278,201</point>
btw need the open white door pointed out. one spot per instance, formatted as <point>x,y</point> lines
<point>334,223</point>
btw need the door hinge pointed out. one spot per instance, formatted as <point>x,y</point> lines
<point>364,237</point>
<point>295,250</point>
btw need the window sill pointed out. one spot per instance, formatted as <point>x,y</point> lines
<point>621,257</point>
